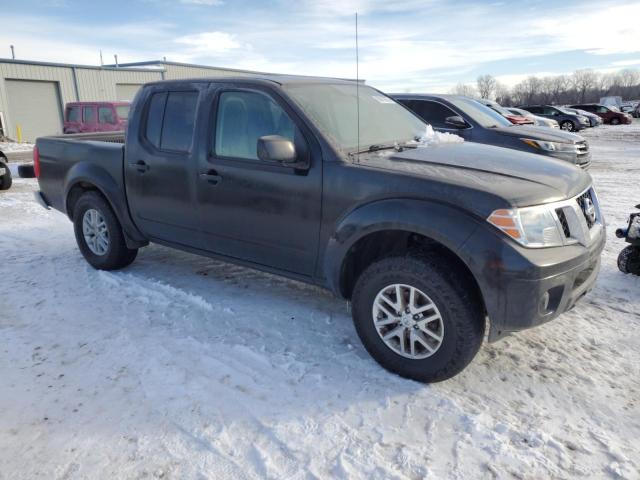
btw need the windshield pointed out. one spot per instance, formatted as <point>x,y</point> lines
<point>613,108</point>
<point>123,111</point>
<point>333,108</point>
<point>567,111</point>
<point>481,114</point>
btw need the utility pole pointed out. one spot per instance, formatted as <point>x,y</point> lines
<point>116,57</point>
<point>13,52</point>
<point>101,62</point>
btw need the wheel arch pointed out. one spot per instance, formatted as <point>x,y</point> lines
<point>84,177</point>
<point>395,227</point>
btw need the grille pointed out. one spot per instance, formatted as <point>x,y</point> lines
<point>585,201</point>
<point>582,148</point>
<point>563,221</point>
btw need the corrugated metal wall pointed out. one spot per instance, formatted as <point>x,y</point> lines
<point>83,83</point>
<point>89,84</point>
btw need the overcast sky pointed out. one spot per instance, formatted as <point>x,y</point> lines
<point>405,45</point>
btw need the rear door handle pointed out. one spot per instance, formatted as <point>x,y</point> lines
<point>141,166</point>
<point>212,177</point>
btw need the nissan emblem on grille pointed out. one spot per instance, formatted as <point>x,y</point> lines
<point>588,208</point>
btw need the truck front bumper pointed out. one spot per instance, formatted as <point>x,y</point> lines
<point>523,288</point>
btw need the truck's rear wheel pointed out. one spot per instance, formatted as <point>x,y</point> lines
<point>99,234</point>
<point>629,260</point>
<point>5,176</point>
<point>416,319</point>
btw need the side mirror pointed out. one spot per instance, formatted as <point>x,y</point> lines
<point>274,148</point>
<point>456,121</point>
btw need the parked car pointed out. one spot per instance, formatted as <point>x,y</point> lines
<point>636,111</point>
<point>426,242</point>
<point>568,121</point>
<point>85,117</point>
<point>5,174</point>
<point>609,115</point>
<point>594,120</point>
<point>513,118</point>
<point>476,122</point>
<point>537,121</point>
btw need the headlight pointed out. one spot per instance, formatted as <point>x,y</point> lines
<point>532,227</point>
<point>550,146</point>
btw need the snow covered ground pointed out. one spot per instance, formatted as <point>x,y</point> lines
<point>182,367</point>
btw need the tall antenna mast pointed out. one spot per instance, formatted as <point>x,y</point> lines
<point>357,92</point>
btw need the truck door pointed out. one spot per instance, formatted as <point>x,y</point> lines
<point>250,209</point>
<point>160,165</point>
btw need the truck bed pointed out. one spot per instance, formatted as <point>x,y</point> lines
<point>90,152</point>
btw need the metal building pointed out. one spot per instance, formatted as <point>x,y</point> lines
<point>33,94</point>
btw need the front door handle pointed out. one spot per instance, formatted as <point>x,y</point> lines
<point>212,177</point>
<point>141,166</point>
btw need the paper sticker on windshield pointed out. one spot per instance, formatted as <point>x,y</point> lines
<point>382,99</point>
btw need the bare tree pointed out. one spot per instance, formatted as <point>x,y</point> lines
<point>503,94</point>
<point>628,78</point>
<point>581,86</point>
<point>583,81</point>
<point>486,86</point>
<point>464,89</point>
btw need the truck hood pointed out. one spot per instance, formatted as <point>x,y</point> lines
<point>539,133</point>
<point>509,176</point>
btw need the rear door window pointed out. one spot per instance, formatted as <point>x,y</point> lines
<point>73,114</point>
<point>105,115</point>
<point>88,114</point>
<point>179,120</point>
<point>155,113</point>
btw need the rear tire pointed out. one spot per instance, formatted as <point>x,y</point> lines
<point>26,171</point>
<point>629,260</point>
<point>615,121</point>
<point>5,180</point>
<point>99,234</point>
<point>458,332</point>
<point>567,125</point>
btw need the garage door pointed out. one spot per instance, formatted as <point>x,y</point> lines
<point>126,91</point>
<point>35,106</point>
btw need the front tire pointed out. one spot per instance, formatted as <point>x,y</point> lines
<point>99,234</point>
<point>629,260</point>
<point>5,180</point>
<point>416,318</point>
<point>568,126</point>
<point>615,121</point>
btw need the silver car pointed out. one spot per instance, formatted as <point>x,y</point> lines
<point>538,121</point>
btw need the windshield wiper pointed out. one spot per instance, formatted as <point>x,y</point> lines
<point>398,147</point>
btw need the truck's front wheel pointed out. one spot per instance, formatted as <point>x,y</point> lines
<point>5,176</point>
<point>416,318</point>
<point>99,234</point>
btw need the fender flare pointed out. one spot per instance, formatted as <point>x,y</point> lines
<point>99,178</point>
<point>443,223</point>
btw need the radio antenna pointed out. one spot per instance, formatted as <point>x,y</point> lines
<point>357,93</point>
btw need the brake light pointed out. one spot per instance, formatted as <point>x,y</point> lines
<point>36,162</point>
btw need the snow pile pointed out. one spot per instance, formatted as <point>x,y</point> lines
<point>10,147</point>
<point>431,137</point>
<point>184,367</point>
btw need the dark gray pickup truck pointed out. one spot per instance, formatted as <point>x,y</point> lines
<point>427,240</point>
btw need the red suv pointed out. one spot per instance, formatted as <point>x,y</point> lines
<point>608,114</point>
<point>83,117</point>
